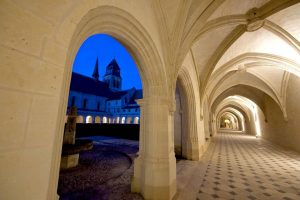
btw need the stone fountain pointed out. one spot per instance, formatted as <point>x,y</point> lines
<point>71,146</point>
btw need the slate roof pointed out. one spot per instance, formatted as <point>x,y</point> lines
<point>84,84</point>
<point>118,95</point>
<point>113,68</point>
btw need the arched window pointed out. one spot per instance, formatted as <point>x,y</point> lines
<point>136,120</point>
<point>89,119</point>
<point>79,119</point>
<point>97,119</point>
<point>128,120</point>
<point>104,120</point>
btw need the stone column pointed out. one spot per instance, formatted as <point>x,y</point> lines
<point>155,168</point>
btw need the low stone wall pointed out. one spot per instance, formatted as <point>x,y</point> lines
<point>126,131</point>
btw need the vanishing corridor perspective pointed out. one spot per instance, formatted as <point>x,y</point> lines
<point>220,78</point>
<point>239,166</point>
<point>243,167</point>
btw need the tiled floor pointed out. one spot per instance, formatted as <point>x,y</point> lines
<point>244,167</point>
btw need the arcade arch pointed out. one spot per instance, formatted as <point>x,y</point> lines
<point>128,120</point>
<point>136,120</point>
<point>206,37</point>
<point>89,119</point>
<point>79,119</point>
<point>127,30</point>
<point>98,119</point>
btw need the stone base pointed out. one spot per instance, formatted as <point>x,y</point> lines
<point>69,161</point>
<point>69,138</point>
<point>154,180</point>
<point>178,150</point>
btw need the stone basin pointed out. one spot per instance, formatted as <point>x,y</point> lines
<point>80,145</point>
<point>70,153</point>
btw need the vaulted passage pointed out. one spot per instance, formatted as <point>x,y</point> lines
<point>236,65</point>
<point>239,166</point>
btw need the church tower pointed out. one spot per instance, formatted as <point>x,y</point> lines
<point>112,76</point>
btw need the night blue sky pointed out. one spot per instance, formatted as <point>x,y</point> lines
<point>106,48</point>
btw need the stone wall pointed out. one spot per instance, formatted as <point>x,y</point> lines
<point>277,129</point>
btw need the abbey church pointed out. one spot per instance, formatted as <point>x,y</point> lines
<point>104,101</point>
<point>220,88</point>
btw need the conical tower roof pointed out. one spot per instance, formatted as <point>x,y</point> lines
<point>113,68</point>
<point>96,71</point>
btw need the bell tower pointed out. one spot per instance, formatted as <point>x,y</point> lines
<point>112,76</point>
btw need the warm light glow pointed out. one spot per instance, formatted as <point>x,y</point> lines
<point>252,107</point>
<point>97,119</point>
<point>89,119</point>
<point>226,121</point>
<point>104,120</point>
<point>136,120</point>
<point>128,120</point>
<point>123,120</point>
<point>257,125</point>
<point>79,119</point>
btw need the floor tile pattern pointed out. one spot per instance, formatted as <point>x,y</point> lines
<point>244,167</point>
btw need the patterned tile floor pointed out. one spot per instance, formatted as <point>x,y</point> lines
<point>243,167</point>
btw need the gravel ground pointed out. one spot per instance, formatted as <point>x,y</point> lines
<point>103,172</point>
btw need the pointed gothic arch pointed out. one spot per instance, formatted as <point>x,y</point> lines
<point>127,30</point>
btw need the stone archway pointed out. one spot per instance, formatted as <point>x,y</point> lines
<point>136,120</point>
<point>104,120</point>
<point>97,119</point>
<point>79,119</point>
<point>155,104</point>
<point>89,119</point>
<point>123,120</point>
<point>189,133</point>
<point>128,120</point>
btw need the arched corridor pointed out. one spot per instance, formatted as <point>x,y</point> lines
<point>238,166</point>
<point>231,58</point>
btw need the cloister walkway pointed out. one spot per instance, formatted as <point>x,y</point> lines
<point>238,166</point>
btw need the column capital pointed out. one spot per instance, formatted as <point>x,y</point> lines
<point>158,100</point>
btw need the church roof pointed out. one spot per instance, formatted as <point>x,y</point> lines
<point>84,84</point>
<point>118,95</point>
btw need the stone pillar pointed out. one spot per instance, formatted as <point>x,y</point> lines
<point>155,167</point>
